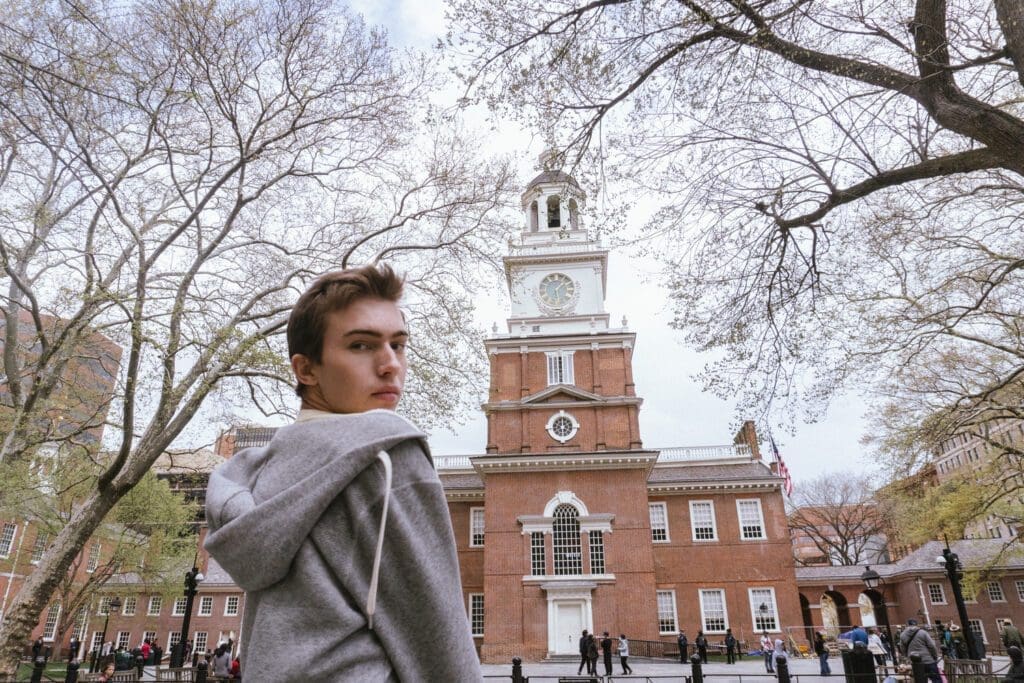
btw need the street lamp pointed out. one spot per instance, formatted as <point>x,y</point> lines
<point>951,563</point>
<point>873,580</point>
<point>192,579</point>
<point>113,604</point>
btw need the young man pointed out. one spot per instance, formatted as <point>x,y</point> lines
<point>338,529</point>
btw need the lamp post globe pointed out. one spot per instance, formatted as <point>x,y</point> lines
<point>873,581</point>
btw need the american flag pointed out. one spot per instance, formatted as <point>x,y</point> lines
<point>787,481</point>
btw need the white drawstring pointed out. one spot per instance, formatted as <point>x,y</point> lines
<point>371,598</point>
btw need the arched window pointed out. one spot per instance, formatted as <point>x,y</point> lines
<point>566,540</point>
<point>574,215</point>
<point>554,211</point>
<point>534,219</point>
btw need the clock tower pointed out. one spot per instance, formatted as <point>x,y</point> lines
<point>565,472</point>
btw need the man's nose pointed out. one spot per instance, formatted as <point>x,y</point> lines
<point>389,361</point>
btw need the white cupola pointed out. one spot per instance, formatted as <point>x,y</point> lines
<point>552,203</point>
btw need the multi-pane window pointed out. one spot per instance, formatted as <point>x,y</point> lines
<point>566,540</point>
<point>179,607</point>
<point>104,606</point>
<point>7,539</point>
<point>199,641</point>
<point>977,629</point>
<point>560,369</point>
<point>1003,623</point>
<point>97,641</point>
<point>762,606</point>
<point>476,528</point>
<point>94,557</point>
<point>712,610</point>
<point>702,520</point>
<point>666,611</point>
<point>173,638</point>
<point>156,603</point>
<point>476,614</point>
<point>39,547</point>
<point>995,592</point>
<point>50,627</point>
<point>538,561</point>
<point>936,594</point>
<point>596,552</point>
<point>150,636</point>
<point>80,618</point>
<point>659,522</point>
<point>1019,585</point>
<point>128,606</point>
<point>231,606</point>
<point>206,605</point>
<point>751,519</point>
<point>124,639</point>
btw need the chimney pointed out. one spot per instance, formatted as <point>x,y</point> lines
<point>748,436</point>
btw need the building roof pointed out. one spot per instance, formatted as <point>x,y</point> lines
<point>200,461</point>
<point>553,177</point>
<point>469,480</point>
<point>973,553</point>
<point>741,471</point>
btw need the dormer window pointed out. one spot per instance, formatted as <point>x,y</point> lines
<point>554,211</point>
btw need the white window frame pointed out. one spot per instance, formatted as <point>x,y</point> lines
<point>7,536</point>
<point>93,563</point>
<point>998,588</point>
<point>103,608</point>
<point>538,554</point>
<point>574,426</point>
<point>596,551</point>
<point>156,601</point>
<point>560,367</point>
<point>196,646</point>
<point>39,546</point>
<point>50,625</point>
<point>693,522</point>
<point>1019,585</point>
<point>129,605</point>
<point>981,629</point>
<point>663,507</point>
<point>703,611</point>
<point>669,601</point>
<point>150,636</point>
<point>173,638</point>
<point>178,607</point>
<point>769,602</point>
<point>941,594</point>
<point>476,614</point>
<point>235,600</point>
<point>1001,623</point>
<point>477,529</point>
<point>760,519</point>
<point>123,639</point>
<point>206,611</point>
<point>97,641</point>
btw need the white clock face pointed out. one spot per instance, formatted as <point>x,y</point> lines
<point>557,290</point>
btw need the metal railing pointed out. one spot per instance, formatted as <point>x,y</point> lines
<point>690,453</point>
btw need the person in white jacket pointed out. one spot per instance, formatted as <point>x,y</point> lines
<point>624,654</point>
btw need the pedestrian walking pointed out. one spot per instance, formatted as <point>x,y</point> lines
<point>821,649</point>
<point>624,655</point>
<point>606,652</point>
<point>592,655</point>
<point>730,647</point>
<point>702,647</point>
<point>916,641</point>
<point>584,659</point>
<point>766,651</point>
<point>684,646</point>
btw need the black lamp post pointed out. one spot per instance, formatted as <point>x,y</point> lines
<point>951,563</point>
<point>112,604</point>
<point>192,579</point>
<point>873,581</point>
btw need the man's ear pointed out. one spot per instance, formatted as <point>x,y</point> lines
<point>304,370</point>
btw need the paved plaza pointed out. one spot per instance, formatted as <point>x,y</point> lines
<point>749,668</point>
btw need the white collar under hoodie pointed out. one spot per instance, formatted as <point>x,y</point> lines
<point>298,525</point>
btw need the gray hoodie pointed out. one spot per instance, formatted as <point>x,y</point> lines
<point>297,525</point>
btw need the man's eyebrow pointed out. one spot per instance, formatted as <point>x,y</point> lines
<point>375,333</point>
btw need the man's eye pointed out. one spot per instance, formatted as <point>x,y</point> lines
<point>359,346</point>
<point>399,346</point>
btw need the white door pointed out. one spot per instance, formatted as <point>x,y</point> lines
<point>568,627</point>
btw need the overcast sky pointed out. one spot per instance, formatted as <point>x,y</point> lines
<point>675,412</point>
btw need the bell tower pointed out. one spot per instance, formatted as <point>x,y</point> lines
<point>561,376</point>
<point>565,473</point>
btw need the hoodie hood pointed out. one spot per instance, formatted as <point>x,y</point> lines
<point>263,503</point>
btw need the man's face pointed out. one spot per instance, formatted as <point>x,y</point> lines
<point>363,363</point>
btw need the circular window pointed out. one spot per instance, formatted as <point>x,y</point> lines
<point>562,426</point>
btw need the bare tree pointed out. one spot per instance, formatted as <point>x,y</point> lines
<point>840,182</point>
<point>171,175</point>
<point>834,519</point>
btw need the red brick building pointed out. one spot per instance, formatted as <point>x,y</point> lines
<point>567,522</point>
